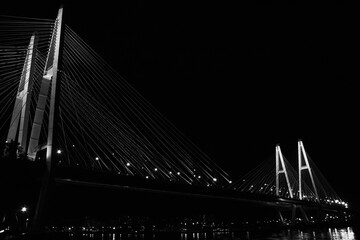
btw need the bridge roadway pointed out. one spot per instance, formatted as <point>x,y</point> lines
<point>98,180</point>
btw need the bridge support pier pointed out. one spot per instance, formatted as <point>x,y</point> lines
<point>319,215</point>
<point>294,214</point>
<point>50,79</point>
<point>281,217</point>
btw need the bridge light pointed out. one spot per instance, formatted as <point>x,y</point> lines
<point>199,176</point>
<point>214,179</point>
<point>58,151</point>
<point>155,169</point>
<point>170,172</point>
<point>178,173</point>
<point>147,177</point>
<point>128,164</point>
<point>97,158</point>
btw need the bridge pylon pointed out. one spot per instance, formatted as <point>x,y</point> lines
<point>49,79</point>
<point>281,169</point>
<point>49,82</point>
<point>21,113</point>
<point>303,164</point>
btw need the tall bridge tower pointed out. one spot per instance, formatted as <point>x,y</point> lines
<point>21,113</point>
<point>19,127</point>
<point>304,165</point>
<point>281,169</point>
<point>50,79</point>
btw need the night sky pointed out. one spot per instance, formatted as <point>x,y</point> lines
<point>237,79</point>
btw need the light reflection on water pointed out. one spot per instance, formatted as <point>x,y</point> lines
<point>317,234</point>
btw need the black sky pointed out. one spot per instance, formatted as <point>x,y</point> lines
<point>237,79</point>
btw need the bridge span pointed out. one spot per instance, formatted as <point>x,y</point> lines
<point>63,106</point>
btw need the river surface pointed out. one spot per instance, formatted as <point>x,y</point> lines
<point>347,233</point>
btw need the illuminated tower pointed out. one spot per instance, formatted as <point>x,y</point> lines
<point>281,169</point>
<point>49,81</point>
<point>303,156</point>
<point>21,113</point>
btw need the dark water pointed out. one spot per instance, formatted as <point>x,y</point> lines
<point>347,233</point>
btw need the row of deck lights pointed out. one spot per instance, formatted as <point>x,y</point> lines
<point>59,151</point>
<point>156,169</point>
<point>215,180</point>
<point>337,202</point>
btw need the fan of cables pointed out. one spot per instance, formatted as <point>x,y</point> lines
<point>104,124</point>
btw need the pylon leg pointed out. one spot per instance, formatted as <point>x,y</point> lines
<point>14,120</point>
<point>41,205</point>
<point>303,213</point>
<point>293,214</point>
<point>319,215</point>
<point>281,217</point>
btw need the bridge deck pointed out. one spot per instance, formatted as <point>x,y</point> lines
<point>113,181</point>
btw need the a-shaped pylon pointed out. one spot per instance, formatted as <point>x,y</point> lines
<point>281,169</point>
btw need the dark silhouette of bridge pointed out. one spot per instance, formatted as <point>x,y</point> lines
<point>67,108</point>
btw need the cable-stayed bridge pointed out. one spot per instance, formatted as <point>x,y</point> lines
<point>66,107</point>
